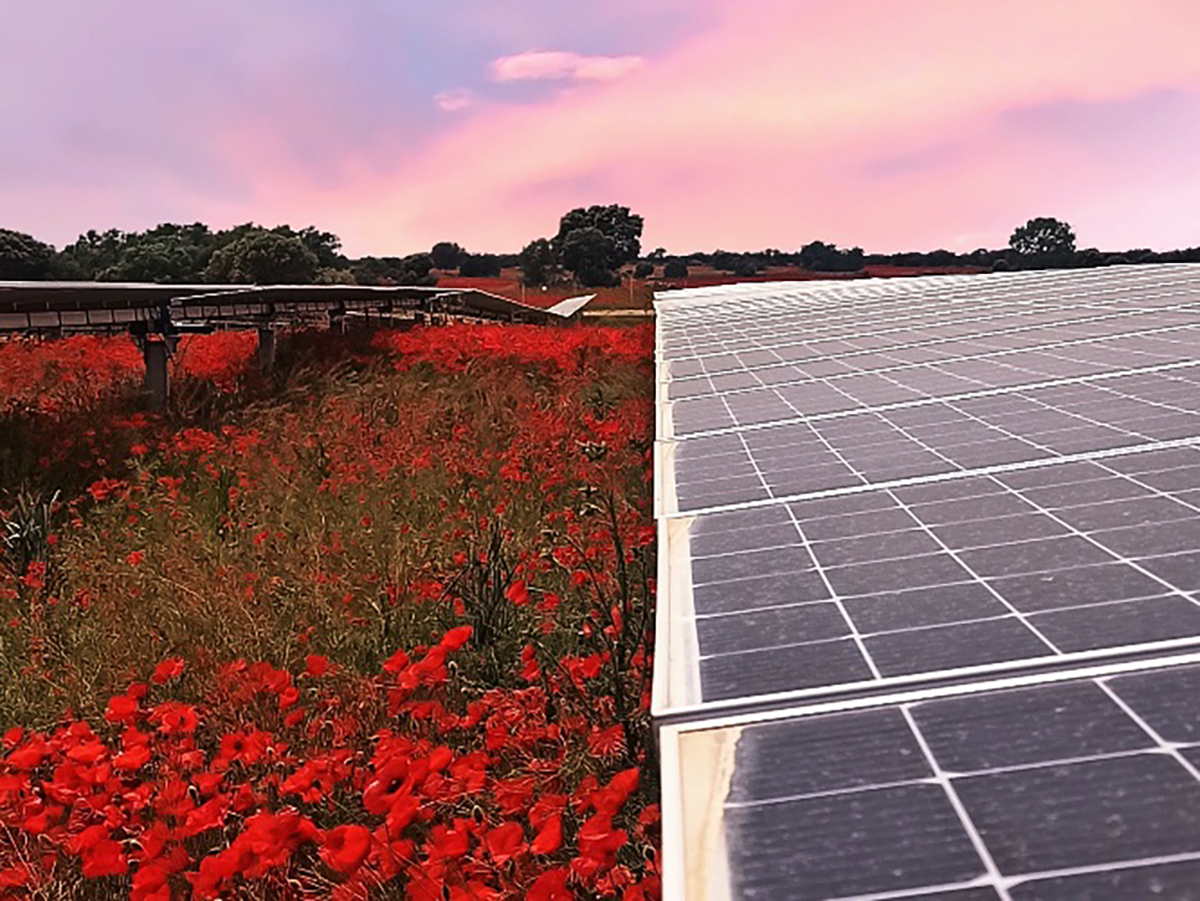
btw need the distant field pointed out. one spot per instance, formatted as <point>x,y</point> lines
<point>508,284</point>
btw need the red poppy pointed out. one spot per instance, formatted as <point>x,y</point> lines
<point>346,847</point>
<point>529,665</point>
<point>456,638</point>
<point>207,816</point>
<point>121,709</point>
<point>549,839</point>
<point>551,886</point>
<point>449,842</point>
<point>30,755</point>
<point>167,670</point>
<point>175,719</point>
<point>505,841</point>
<point>518,593</point>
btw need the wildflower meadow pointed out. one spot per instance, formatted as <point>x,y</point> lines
<point>376,624</point>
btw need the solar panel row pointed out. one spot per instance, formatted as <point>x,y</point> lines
<point>105,306</point>
<point>873,486</point>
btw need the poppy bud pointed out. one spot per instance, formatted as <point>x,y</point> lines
<point>477,814</point>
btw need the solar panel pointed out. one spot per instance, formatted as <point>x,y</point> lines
<point>1077,787</point>
<point>869,488</point>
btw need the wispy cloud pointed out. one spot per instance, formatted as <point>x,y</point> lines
<point>454,100</point>
<point>555,65</point>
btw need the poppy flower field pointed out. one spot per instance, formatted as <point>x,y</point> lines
<point>374,625</point>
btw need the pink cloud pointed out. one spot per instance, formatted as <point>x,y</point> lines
<point>540,65</point>
<point>454,100</point>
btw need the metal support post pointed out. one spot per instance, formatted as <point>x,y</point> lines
<point>264,356</point>
<point>154,353</point>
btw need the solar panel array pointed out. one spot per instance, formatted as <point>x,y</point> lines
<point>58,307</point>
<point>866,488</point>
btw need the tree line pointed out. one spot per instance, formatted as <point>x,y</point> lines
<point>591,244</point>
<point>1041,243</point>
<point>592,247</point>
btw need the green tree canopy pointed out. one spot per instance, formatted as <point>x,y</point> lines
<point>587,253</point>
<point>539,263</point>
<point>415,269</point>
<point>817,256</point>
<point>622,228</point>
<point>479,265</point>
<point>1043,236</point>
<point>23,257</point>
<point>446,255</point>
<point>675,269</point>
<point>263,258</point>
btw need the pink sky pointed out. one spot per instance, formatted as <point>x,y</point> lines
<point>739,124</point>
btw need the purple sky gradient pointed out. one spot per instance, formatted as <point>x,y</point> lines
<point>739,124</point>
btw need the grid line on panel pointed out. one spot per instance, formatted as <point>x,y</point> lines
<point>933,892</point>
<point>1079,421</point>
<point>1067,530</point>
<point>1137,589</point>
<point>1144,400</point>
<point>1020,616</point>
<point>856,346</point>
<point>1156,492</point>
<point>1170,587</point>
<point>846,696</point>
<point>1040,290</point>
<point>1019,299</point>
<point>986,355</point>
<point>997,469</point>
<point>960,810</point>
<point>925,446</point>
<point>1183,307</point>
<point>1167,750</point>
<point>855,633</point>
<point>991,352</point>
<point>930,400</point>
<point>1159,745</point>
<point>1074,415</point>
<point>857,637</point>
<point>825,577</point>
<point>1168,747</point>
<point>1120,866</point>
<point>1038,382</point>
